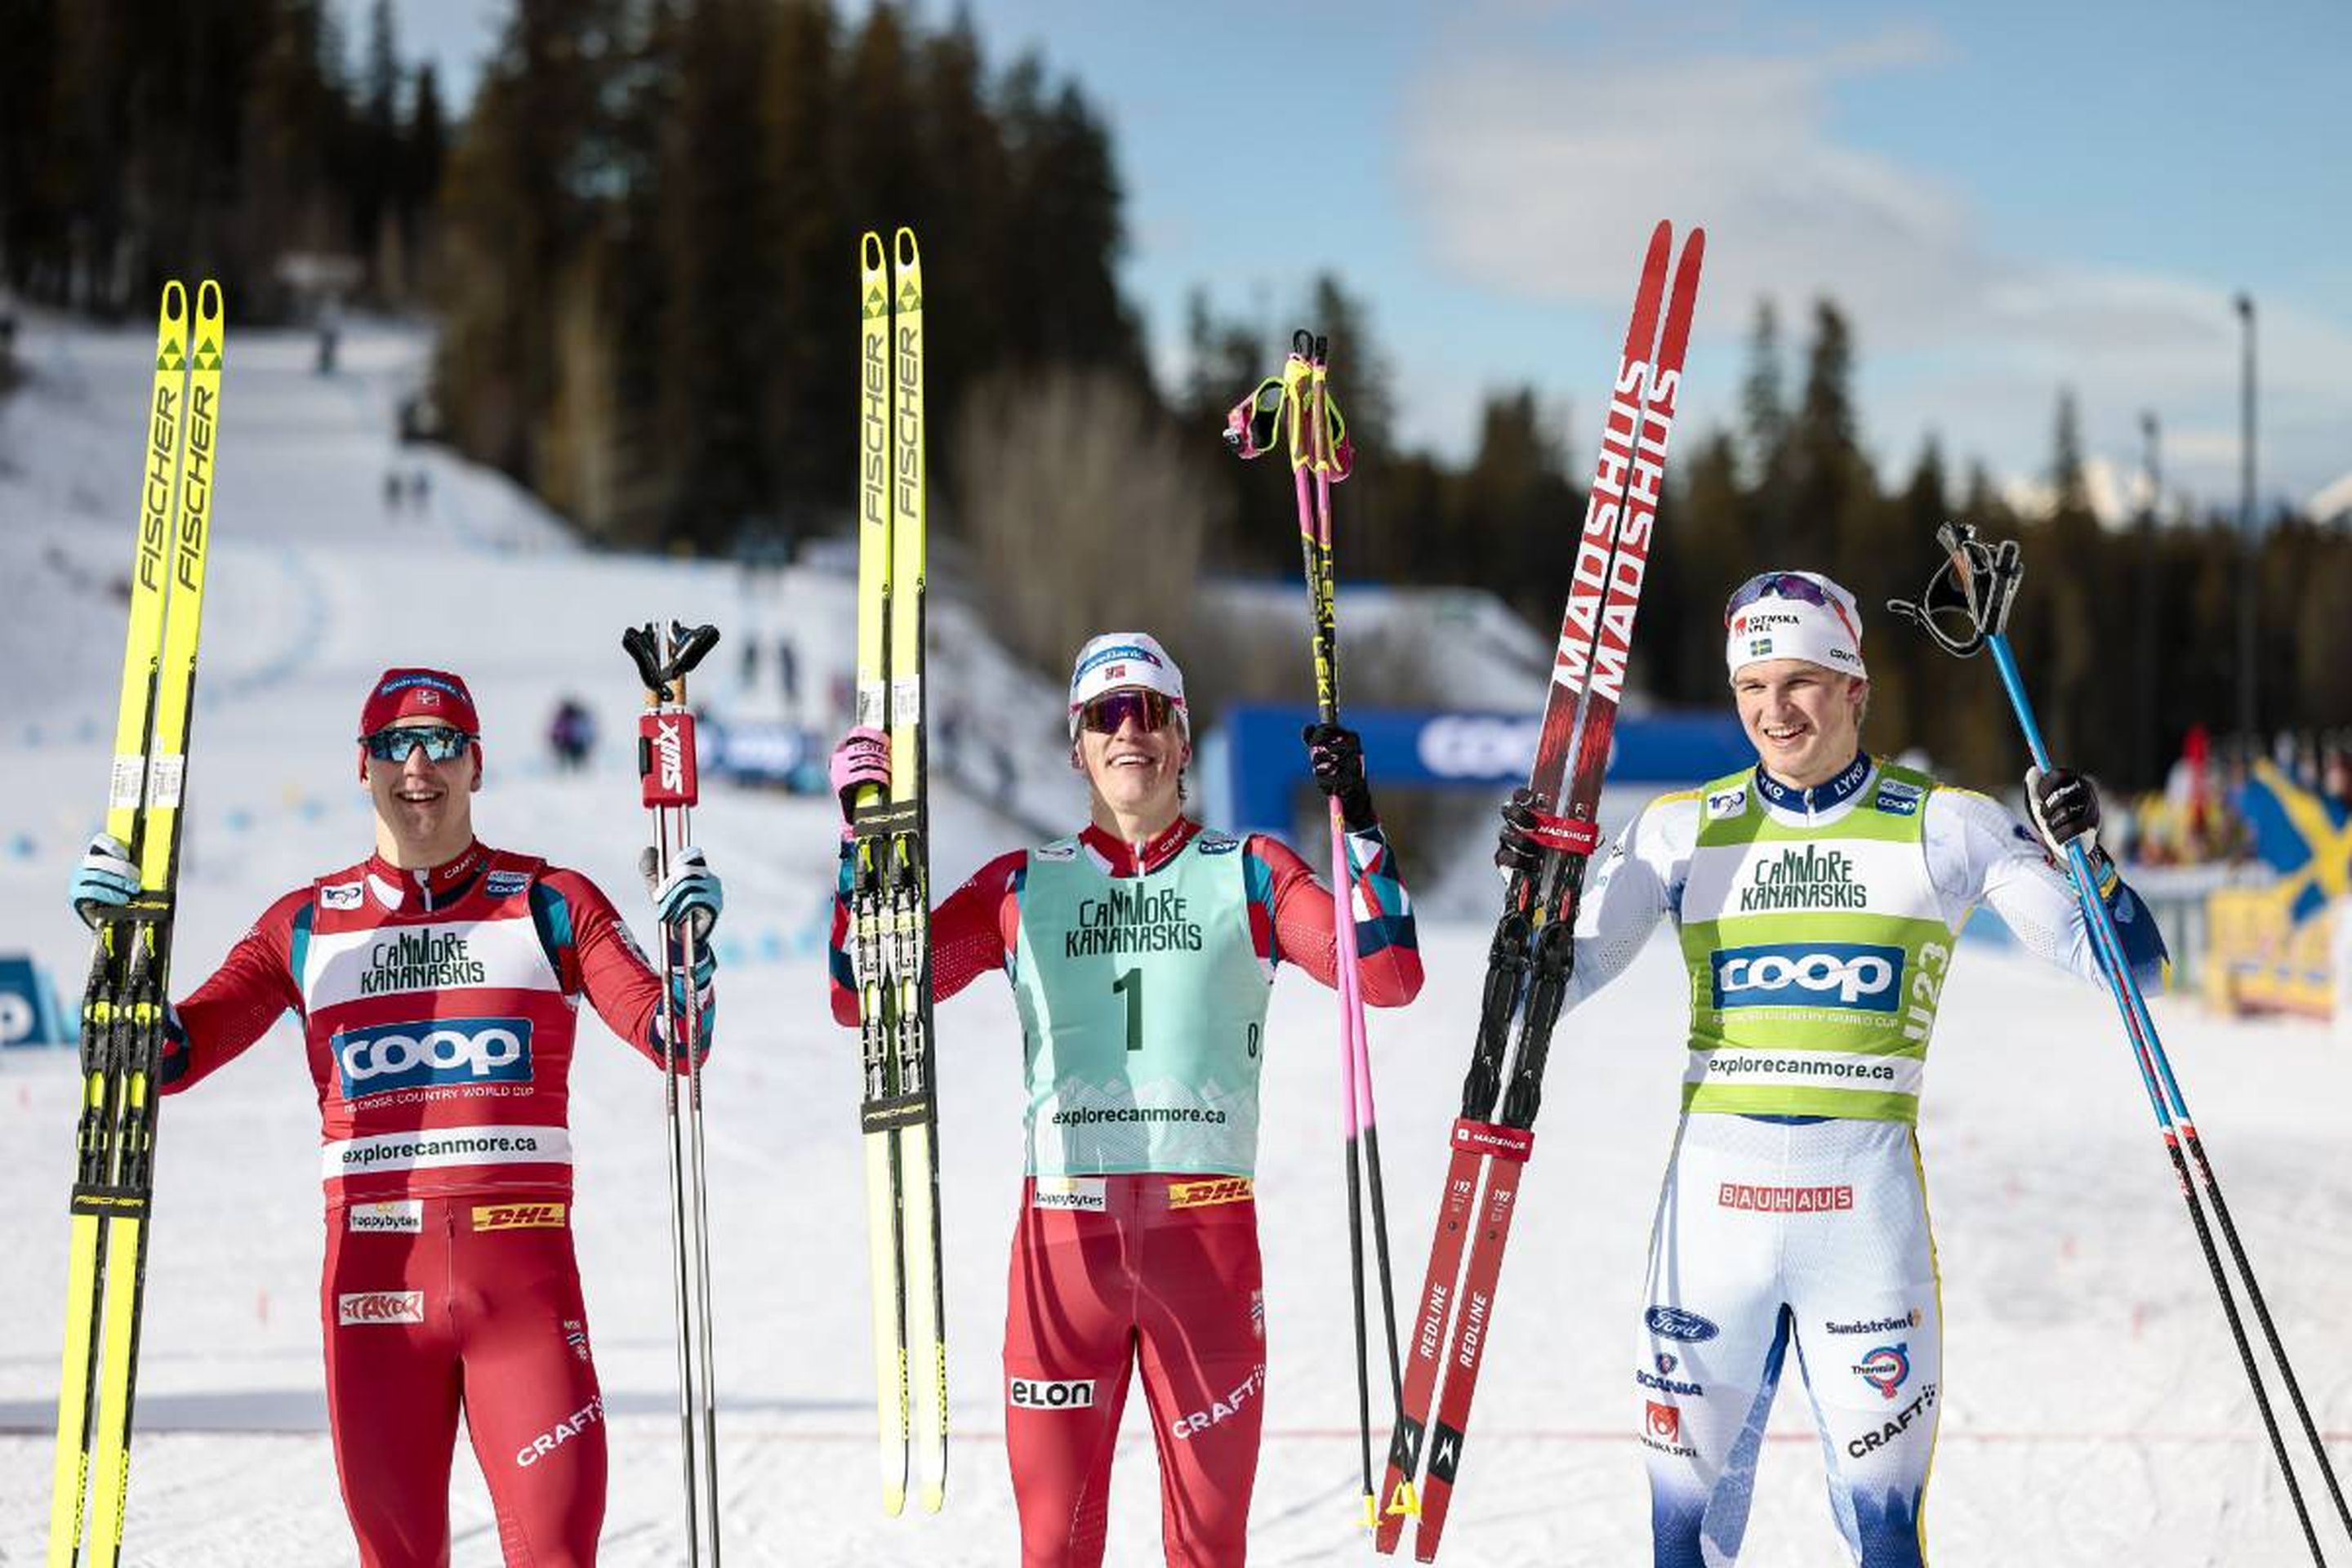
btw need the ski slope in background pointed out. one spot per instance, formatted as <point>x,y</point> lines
<point>2093,1412</point>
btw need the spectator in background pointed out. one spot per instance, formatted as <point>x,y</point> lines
<point>571,735</point>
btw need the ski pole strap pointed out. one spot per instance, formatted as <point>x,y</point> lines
<point>1567,834</point>
<point>1512,1143</point>
<point>1255,424</point>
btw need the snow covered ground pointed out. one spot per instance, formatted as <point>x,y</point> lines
<point>2093,1411</point>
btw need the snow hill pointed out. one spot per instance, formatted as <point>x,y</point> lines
<point>2093,1411</point>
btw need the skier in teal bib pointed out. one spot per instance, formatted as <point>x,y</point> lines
<point>1819,897</point>
<point>1141,952</point>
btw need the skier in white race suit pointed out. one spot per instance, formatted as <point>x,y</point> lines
<point>1819,897</point>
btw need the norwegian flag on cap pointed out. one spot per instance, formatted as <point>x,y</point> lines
<point>419,694</point>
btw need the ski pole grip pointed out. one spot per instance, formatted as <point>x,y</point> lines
<point>639,644</point>
<point>688,645</point>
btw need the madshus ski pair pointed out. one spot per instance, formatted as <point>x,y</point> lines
<point>1528,961</point>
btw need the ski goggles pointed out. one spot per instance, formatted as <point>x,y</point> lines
<point>442,743</point>
<point>1151,711</point>
<point>1787,585</point>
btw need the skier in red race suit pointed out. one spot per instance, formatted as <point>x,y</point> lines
<point>1141,952</point>
<point>438,982</point>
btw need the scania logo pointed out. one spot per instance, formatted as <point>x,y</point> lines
<point>444,1051</point>
<point>1798,974</point>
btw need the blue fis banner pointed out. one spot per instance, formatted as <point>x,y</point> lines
<point>28,1012</point>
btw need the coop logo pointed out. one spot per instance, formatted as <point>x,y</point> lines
<point>1885,1368</point>
<point>1675,1323</point>
<point>1043,1394</point>
<point>1806,974</point>
<point>444,1052</point>
<point>1478,746</point>
<point>366,1307</point>
<point>669,753</point>
<point>1897,798</point>
<point>504,884</point>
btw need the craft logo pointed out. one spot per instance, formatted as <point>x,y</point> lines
<point>1208,1194</point>
<point>1133,920</point>
<point>519,1217</point>
<point>361,1307</point>
<point>1809,974</point>
<point>1886,1367</point>
<point>442,1053</point>
<point>1783,1200</point>
<point>1042,1394</point>
<point>563,1432</point>
<point>1895,1425</point>
<point>1675,1323</point>
<point>1665,1421</point>
<point>1803,877</point>
<point>425,960</point>
<point>1221,1409</point>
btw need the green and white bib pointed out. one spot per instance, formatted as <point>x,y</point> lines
<point>1816,955</point>
<point>1143,1012</point>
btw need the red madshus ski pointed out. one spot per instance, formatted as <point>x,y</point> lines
<point>1528,962</point>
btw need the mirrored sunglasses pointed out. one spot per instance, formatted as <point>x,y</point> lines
<point>1151,711</point>
<point>442,743</point>
<point>1786,586</point>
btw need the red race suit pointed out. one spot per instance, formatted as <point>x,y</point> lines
<point>439,1010</point>
<point>1157,1271</point>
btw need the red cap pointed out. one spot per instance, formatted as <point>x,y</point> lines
<point>419,694</point>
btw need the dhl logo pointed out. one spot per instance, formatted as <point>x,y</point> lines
<point>519,1217</point>
<point>1203,1194</point>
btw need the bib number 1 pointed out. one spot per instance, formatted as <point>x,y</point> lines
<point>1131,985</point>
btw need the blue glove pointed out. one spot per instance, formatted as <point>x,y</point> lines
<point>106,875</point>
<point>689,896</point>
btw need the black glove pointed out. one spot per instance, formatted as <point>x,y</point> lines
<point>1336,754</point>
<point>2065,807</point>
<point>1514,847</point>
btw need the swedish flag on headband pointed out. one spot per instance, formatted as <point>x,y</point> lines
<point>2305,837</point>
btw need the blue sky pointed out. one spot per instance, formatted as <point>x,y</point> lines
<point>2004,197</point>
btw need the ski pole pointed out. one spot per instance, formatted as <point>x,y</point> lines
<point>665,769</point>
<point>1977,587</point>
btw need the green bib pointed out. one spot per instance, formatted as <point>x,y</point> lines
<point>1816,955</point>
<point>1142,1011</point>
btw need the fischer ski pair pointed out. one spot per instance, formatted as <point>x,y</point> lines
<point>889,900</point>
<point>125,1006</point>
<point>1532,951</point>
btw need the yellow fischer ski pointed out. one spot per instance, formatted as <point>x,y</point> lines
<point>890,886</point>
<point>123,1008</point>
